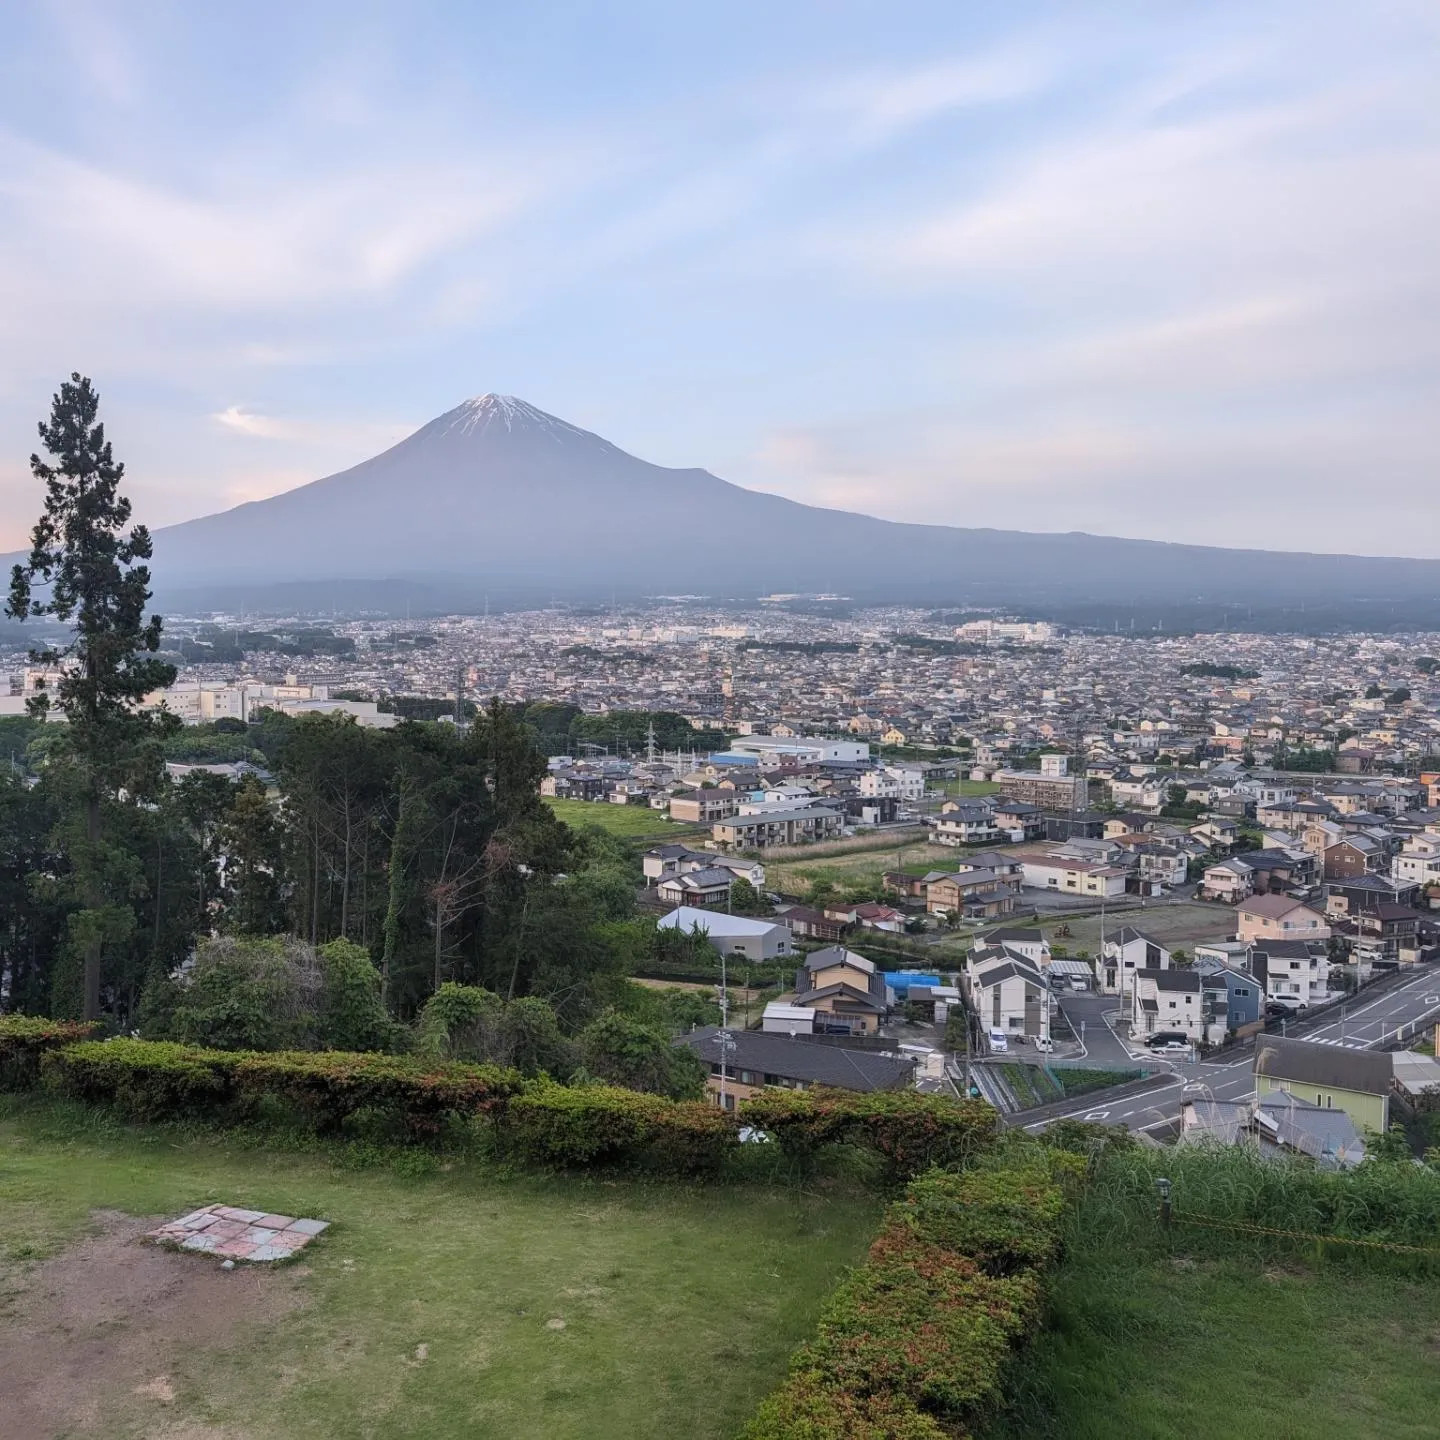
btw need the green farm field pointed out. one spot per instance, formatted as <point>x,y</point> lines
<point>631,821</point>
<point>453,1301</point>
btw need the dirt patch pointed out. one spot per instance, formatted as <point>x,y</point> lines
<point>104,1324</point>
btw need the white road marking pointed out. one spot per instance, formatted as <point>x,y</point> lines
<point>1096,1115</point>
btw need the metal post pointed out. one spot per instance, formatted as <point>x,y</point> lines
<point>724,1036</point>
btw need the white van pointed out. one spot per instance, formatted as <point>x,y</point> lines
<point>998,1040</point>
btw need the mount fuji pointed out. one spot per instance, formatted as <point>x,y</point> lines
<point>498,499</point>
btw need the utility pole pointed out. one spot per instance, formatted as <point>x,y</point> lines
<point>723,1035</point>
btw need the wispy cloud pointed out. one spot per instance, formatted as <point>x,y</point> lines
<point>1138,270</point>
<point>362,436</point>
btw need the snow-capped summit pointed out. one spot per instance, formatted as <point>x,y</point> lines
<point>493,412</point>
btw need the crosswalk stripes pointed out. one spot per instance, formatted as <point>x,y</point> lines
<point>1345,1044</point>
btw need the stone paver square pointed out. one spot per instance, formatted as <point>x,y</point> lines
<point>232,1233</point>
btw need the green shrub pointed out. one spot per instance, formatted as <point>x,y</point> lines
<point>160,1080</point>
<point>925,1323</point>
<point>1003,1219</point>
<point>146,1079</point>
<point>24,1039</point>
<point>811,1406</point>
<point>623,1051</point>
<point>331,1085</point>
<point>352,1016</point>
<point>460,1022</point>
<point>914,1344</point>
<point>275,993</point>
<point>589,1124</point>
<point>909,1130</point>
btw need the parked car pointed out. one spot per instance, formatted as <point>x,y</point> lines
<point>1044,1044</point>
<point>1168,1039</point>
<point>998,1040</point>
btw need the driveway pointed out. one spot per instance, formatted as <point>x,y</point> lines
<point>1102,1045</point>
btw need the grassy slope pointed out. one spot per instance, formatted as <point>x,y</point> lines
<point>681,1306</point>
<point>1226,1344</point>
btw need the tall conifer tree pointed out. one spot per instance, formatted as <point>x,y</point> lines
<point>85,571</point>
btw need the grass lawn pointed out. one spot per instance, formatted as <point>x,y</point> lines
<point>433,1305</point>
<point>632,821</point>
<point>1179,926</point>
<point>859,867</point>
<point>970,788</point>
<point>1225,1343</point>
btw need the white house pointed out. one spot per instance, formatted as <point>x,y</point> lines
<point>1008,993</point>
<point>1125,952</point>
<point>1418,862</point>
<point>964,825</point>
<point>1293,972</point>
<point>1076,877</point>
<point>1169,1000</point>
<point>897,782</point>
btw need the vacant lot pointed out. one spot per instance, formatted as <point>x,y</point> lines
<point>1170,1345</point>
<point>1178,926</point>
<point>858,867</point>
<point>636,821</point>
<point>455,1302</point>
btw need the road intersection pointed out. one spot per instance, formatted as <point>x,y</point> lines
<point>1395,1015</point>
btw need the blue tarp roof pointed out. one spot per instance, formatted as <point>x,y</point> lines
<point>901,980</point>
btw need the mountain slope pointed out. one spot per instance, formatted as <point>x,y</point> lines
<point>495,497</point>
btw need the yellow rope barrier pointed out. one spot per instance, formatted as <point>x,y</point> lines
<point>1245,1225</point>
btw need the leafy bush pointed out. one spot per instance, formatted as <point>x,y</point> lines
<point>278,993</point>
<point>24,1039</point>
<point>926,1323</point>
<point>622,1051</point>
<point>812,1406</point>
<point>910,1130</point>
<point>1003,1219</point>
<point>460,1022</point>
<point>330,1086</point>
<point>158,1080</point>
<point>558,1125</point>
<point>915,1342</point>
<point>146,1079</point>
<point>352,1016</point>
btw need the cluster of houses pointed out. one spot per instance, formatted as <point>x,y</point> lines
<point>1315,1100</point>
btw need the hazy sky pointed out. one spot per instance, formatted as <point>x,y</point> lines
<point>1165,270</point>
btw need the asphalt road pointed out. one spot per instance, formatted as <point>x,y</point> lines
<point>1369,1025</point>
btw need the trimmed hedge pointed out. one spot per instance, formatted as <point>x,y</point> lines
<point>329,1086</point>
<point>157,1080</point>
<point>558,1125</point>
<point>913,1345</point>
<point>913,1132</point>
<point>24,1040</point>
<point>147,1079</point>
<point>1003,1219</point>
<point>539,1120</point>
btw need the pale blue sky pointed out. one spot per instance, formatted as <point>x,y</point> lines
<point>1165,270</point>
